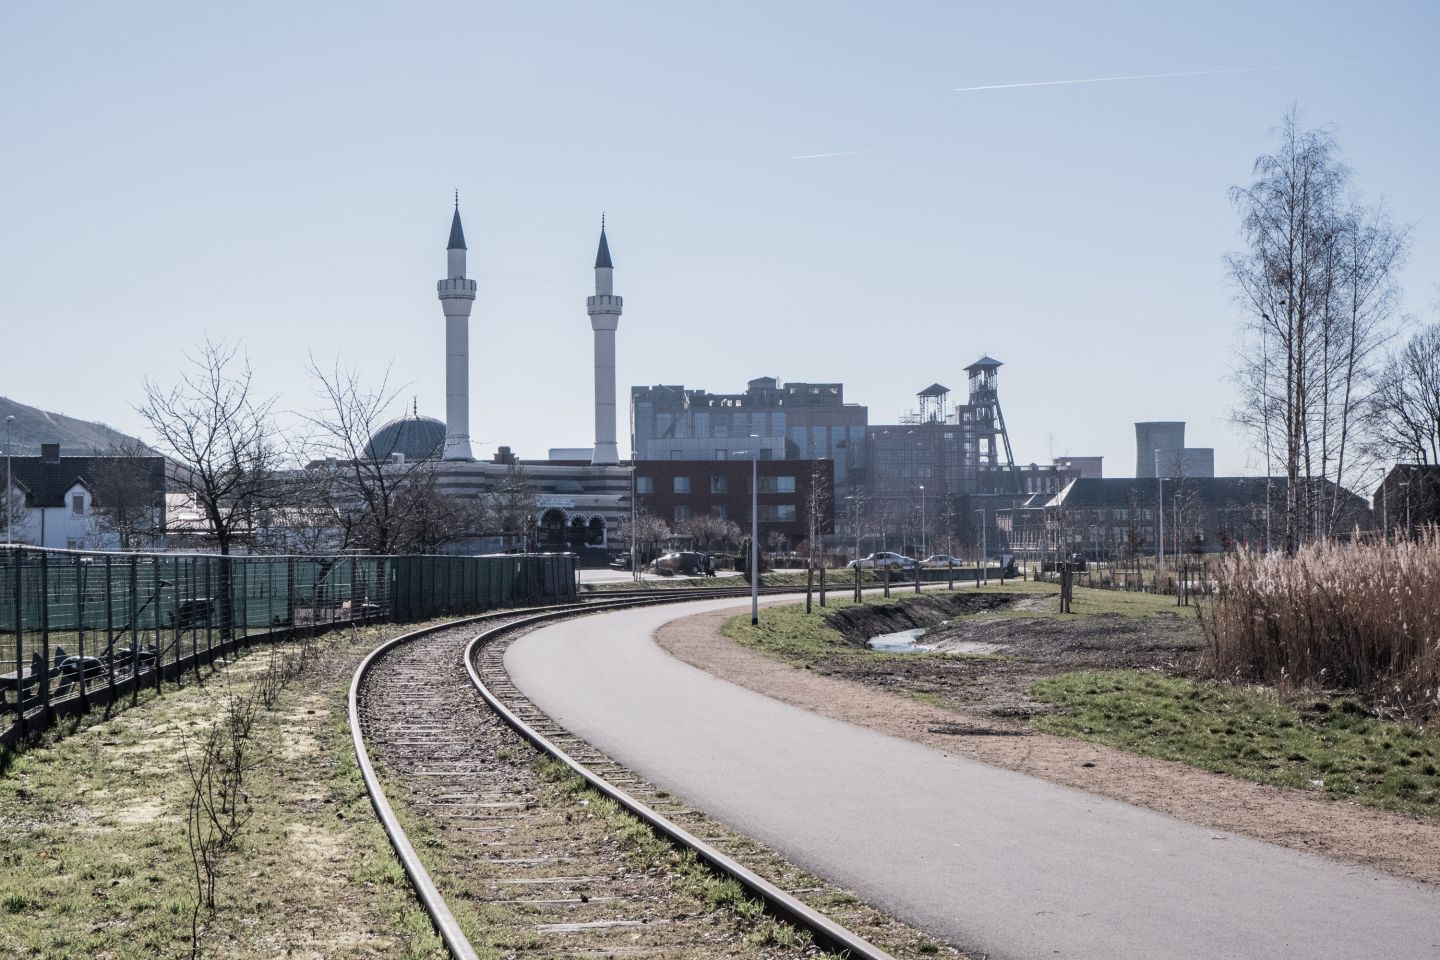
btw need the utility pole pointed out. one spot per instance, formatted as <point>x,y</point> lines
<point>9,492</point>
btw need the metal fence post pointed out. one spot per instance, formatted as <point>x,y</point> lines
<point>44,639</point>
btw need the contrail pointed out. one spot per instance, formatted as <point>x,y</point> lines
<point>818,156</point>
<point>1189,73</point>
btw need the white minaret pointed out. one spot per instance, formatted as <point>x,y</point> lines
<point>604,310</point>
<point>456,296</point>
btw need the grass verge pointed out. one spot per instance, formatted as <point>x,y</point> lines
<point>95,861</point>
<point>1327,745</point>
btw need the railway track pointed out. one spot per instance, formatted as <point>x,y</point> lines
<point>518,847</point>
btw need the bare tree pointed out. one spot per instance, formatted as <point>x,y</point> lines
<point>220,437</point>
<point>1316,281</point>
<point>706,529</point>
<point>128,484</point>
<point>513,503</point>
<point>432,519</point>
<point>1406,407</point>
<point>378,502</point>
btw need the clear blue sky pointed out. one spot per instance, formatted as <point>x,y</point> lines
<point>282,172</point>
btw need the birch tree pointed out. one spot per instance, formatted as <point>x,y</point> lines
<point>1316,282</point>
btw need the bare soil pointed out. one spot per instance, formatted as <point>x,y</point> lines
<point>1007,653</point>
<point>974,707</point>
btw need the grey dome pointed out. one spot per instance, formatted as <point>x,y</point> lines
<point>418,438</point>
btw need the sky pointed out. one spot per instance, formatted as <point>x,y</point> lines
<point>794,190</point>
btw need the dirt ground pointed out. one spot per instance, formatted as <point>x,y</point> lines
<point>976,712</point>
<point>1006,653</point>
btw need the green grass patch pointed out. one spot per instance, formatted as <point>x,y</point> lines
<point>789,633</point>
<point>1318,744</point>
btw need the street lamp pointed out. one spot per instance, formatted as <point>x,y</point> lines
<point>754,528</point>
<point>984,550</point>
<point>1160,541</point>
<point>924,550</point>
<point>9,486</point>
<point>1406,485</point>
<point>855,522</point>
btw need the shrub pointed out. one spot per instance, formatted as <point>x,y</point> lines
<point>1359,616</point>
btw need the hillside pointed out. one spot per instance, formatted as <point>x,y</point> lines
<point>34,426</point>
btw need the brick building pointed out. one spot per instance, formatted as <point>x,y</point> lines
<point>676,490</point>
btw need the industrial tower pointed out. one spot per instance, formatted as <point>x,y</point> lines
<point>457,295</point>
<point>604,309</point>
<point>990,432</point>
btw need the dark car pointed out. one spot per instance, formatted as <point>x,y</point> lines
<point>686,563</point>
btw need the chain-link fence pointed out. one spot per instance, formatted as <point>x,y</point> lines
<point>79,628</point>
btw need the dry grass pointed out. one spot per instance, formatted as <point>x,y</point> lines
<point>1362,617</point>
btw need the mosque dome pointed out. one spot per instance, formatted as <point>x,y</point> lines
<point>416,437</point>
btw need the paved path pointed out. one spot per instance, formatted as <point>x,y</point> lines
<point>988,859</point>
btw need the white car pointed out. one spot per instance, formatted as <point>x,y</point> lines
<point>942,560</point>
<point>882,561</point>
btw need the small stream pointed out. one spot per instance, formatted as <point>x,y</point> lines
<point>901,642</point>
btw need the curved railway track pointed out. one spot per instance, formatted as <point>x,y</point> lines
<point>515,846</point>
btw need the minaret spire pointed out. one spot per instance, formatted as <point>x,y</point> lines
<point>457,296</point>
<point>604,309</point>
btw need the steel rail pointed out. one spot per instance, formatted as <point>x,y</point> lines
<point>826,933</point>
<point>428,894</point>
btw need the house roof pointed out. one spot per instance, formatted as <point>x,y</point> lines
<point>48,483</point>
<point>1120,492</point>
<point>934,390</point>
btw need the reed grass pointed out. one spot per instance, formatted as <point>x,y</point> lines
<point>1336,616</point>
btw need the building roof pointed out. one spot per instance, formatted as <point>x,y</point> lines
<point>934,390</point>
<point>415,437</point>
<point>985,362</point>
<point>602,255</point>
<point>48,483</point>
<point>457,234</point>
<point>1119,492</point>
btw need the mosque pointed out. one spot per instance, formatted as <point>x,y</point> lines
<point>581,494</point>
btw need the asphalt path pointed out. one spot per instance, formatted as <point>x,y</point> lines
<point>990,860</point>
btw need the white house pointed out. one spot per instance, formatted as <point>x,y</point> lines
<point>52,499</point>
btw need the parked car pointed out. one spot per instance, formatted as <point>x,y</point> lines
<point>686,563</point>
<point>882,561</point>
<point>942,560</point>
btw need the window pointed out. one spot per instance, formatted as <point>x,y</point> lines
<point>719,484</point>
<point>777,512</point>
<point>644,484</point>
<point>777,484</point>
<point>682,513</point>
<point>682,484</point>
<point>767,454</point>
<point>722,455</point>
<point>677,454</point>
<point>718,510</point>
<point>77,504</point>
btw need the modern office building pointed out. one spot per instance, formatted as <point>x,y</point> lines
<point>788,421</point>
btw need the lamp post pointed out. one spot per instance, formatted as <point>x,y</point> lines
<point>754,529</point>
<point>924,549</point>
<point>1406,485</point>
<point>1384,505</point>
<point>984,549</point>
<point>1160,540</point>
<point>855,522</point>
<point>9,486</point>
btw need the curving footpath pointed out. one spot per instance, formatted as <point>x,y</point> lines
<point>992,861</point>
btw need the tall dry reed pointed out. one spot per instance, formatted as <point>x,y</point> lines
<point>1362,617</point>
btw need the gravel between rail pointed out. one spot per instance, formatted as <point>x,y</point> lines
<point>532,863</point>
